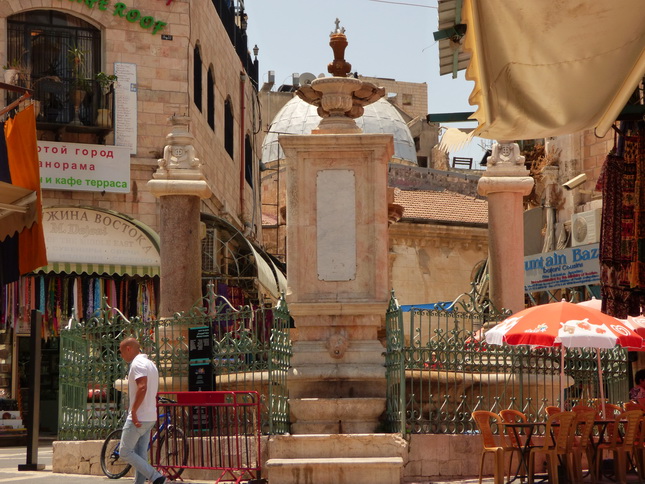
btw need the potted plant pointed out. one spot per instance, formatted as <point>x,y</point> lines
<point>13,71</point>
<point>80,84</point>
<point>105,81</point>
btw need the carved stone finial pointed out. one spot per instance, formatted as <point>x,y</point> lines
<point>339,67</point>
<point>179,152</point>
<point>506,160</point>
<point>339,99</point>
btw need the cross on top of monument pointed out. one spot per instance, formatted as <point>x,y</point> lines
<point>339,29</point>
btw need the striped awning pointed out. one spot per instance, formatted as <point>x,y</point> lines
<point>109,269</point>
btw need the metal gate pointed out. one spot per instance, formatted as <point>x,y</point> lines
<point>250,351</point>
<point>440,369</point>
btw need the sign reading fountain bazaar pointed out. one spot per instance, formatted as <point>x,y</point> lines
<point>576,266</point>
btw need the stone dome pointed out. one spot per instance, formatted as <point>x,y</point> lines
<point>298,117</point>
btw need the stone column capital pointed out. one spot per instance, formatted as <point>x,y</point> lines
<point>165,187</point>
<point>505,184</point>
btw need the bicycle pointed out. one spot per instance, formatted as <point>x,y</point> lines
<point>169,443</point>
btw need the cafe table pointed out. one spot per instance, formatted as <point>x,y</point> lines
<point>522,431</point>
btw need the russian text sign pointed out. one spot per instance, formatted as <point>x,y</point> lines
<point>76,166</point>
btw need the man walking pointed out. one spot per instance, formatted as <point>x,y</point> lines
<point>143,383</point>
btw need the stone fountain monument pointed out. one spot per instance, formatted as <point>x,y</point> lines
<point>337,259</point>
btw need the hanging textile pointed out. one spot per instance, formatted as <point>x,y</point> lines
<point>623,230</point>
<point>635,150</point>
<point>22,154</point>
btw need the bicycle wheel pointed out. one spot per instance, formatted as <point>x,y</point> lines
<point>172,451</point>
<point>112,465</point>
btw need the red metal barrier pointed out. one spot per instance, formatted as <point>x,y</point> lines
<point>208,430</point>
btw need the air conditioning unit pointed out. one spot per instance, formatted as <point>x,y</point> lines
<point>585,228</point>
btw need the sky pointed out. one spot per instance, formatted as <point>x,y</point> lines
<point>387,38</point>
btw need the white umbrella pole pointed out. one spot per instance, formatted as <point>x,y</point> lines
<point>602,387</point>
<point>562,378</point>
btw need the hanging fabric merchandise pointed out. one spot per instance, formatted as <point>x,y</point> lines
<point>636,152</point>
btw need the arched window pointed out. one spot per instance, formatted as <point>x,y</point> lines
<point>248,161</point>
<point>228,127</point>
<point>210,98</point>
<point>197,78</point>
<point>42,44</point>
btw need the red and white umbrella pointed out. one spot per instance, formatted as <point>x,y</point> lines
<point>637,323</point>
<point>565,324</point>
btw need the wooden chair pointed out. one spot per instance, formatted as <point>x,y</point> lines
<point>620,445</point>
<point>514,442</point>
<point>490,443</point>
<point>555,445</point>
<point>580,444</point>
<point>552,410</point>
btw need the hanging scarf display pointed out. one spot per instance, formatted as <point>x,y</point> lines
<point>59,297</point>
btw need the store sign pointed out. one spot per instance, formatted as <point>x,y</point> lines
<point>87,236</point>
<point>76,166</point>
<point>132,15</point>
<point>576,266</point>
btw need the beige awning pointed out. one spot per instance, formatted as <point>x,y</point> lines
<point>17,209</point>
<point>551,67</point>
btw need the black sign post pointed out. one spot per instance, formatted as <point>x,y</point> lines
<point>33,415</point>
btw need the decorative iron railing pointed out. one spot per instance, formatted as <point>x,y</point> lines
<point>251,351</point>
<point>439,370</point>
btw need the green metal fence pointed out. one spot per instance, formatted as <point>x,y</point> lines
<point>250,350</point>
<point>439,370</point>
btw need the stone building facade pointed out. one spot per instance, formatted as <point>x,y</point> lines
<point>177,57</point>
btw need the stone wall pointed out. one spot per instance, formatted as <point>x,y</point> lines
<point>432,263</point>
<point>429,456</point>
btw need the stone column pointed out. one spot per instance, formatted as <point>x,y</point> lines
<point>505,182</point>
<point>179,184</point>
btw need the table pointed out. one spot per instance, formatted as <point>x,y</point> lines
<point>528,429</point>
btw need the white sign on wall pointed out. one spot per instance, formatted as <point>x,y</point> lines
<point>336,225</point>
<point>77,166</point>
<point>125,106</point>
<point>87,236</point>
<point>576,266</point>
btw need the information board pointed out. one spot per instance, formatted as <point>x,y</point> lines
<point>199,343</point>
<point>125,106</point>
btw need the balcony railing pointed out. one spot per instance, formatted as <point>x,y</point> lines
<point>59,106</point>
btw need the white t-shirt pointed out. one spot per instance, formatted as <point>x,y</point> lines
<point>139,367</point>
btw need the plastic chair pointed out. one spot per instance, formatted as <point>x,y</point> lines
<point>611,410</point>
<point>490,443</point>
<point>552,410</point>
<point>619,445</point>
<point>559,445</point>
<point>634,406</point>
<point>580,444</point>
<point>639,447</point>
<point>512,438</point>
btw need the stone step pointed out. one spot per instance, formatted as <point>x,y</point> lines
<point>336,470</point>
<point>336,445</point>
<point>335,415</point>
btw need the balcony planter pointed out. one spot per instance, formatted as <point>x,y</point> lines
<point>11,76</point>
<point>104,118</point>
